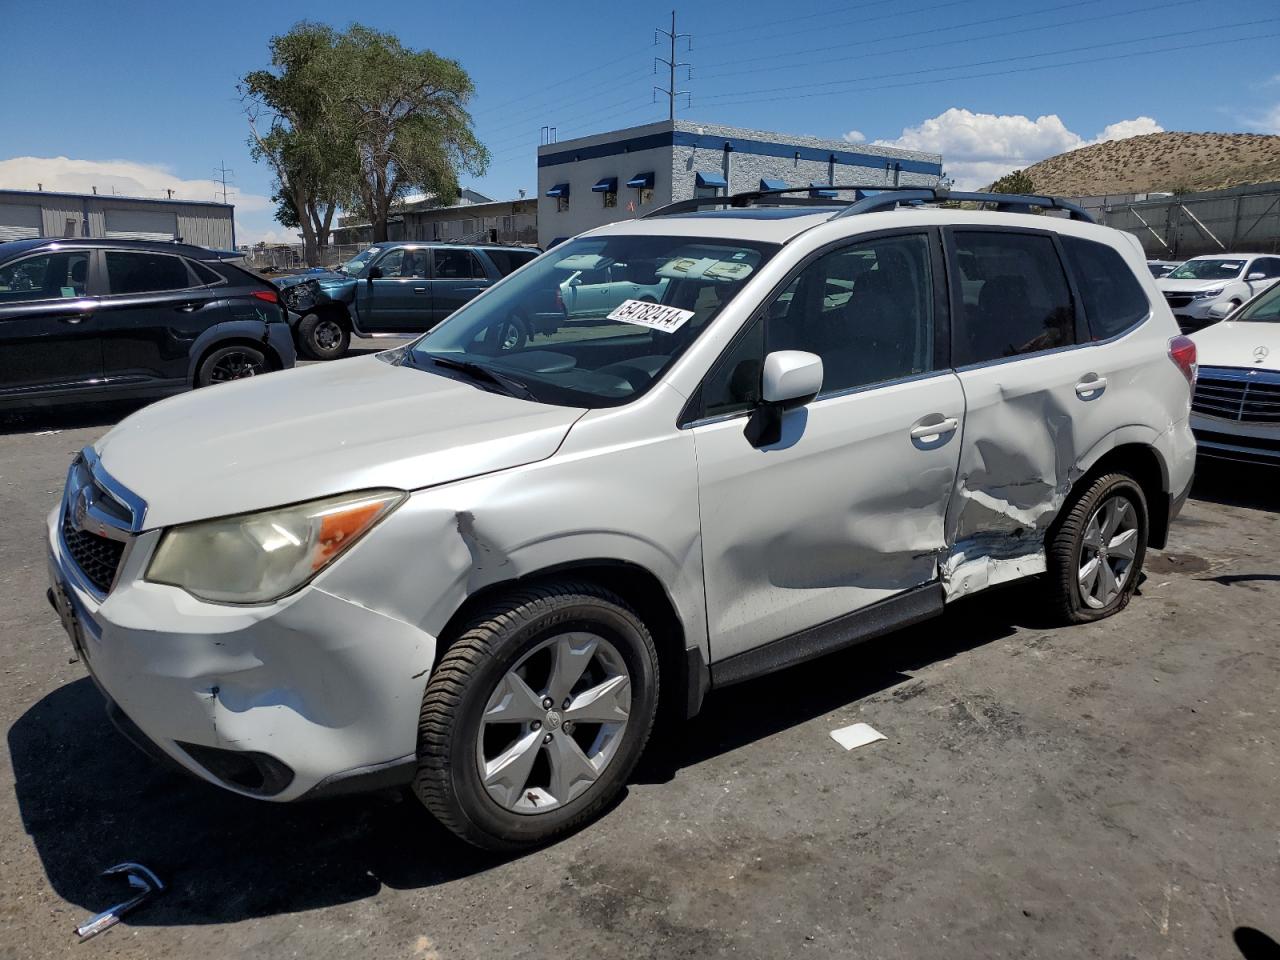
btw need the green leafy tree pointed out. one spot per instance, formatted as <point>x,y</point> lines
<point>298,125</point>
<point>406,114</point>
<point>1019,181</point>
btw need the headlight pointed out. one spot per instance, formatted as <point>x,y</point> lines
<point>257,557</point>
<point>1215,292</point>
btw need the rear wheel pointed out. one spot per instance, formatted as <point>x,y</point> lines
<point>231,363</point>
<point>1095,556</point>
<point>322,337</point>
<point>536,715</point>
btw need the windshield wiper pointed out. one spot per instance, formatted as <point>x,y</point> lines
<point>508,385</point>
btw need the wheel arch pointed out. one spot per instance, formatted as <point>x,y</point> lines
<point>1131,450</point>
<point>274,360</point>
<point>682,666</point>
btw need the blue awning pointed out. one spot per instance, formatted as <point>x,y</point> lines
<point>641,180</point>
<point>606,185</point>
<point>767,184</point>
<point>828,194</point>
<point>711,180</point>
<point>559,190</point>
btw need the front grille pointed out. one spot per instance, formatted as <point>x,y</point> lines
<point>1177,299</point>
<point>1230,393</point>
<point>97,557</point>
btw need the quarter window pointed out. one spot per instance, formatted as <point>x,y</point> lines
<point>49,276</point>
<point>131,271</point>
<point>457,264</point>
<point>204,274</point>
<point>1015,297</point>
<point>1113,299</point>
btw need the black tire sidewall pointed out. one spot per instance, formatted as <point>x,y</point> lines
<point>204,376</point>
<point>1117,483</point>
<point>515,830</point>
<point>307,339</point>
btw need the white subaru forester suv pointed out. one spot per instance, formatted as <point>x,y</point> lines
<point>482,567</point>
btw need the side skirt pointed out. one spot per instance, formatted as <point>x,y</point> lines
<point>913,606</point>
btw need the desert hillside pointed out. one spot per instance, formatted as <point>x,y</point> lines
<point>1160,162</point>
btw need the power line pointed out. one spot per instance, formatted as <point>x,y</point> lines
<point>916,47</point>
<point>610,64</point>
<point>896,15</point>
<point>1005,73</point>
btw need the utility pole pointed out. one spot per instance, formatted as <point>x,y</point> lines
<point>222,178</point>
<point>670,90</point>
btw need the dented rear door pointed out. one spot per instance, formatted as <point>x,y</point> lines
<point>1035,400</point>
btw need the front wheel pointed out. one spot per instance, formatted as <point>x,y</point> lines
<point>1095,556</point>
<point>231,363</point>
<point>322,337</point>
<point>536,715</point>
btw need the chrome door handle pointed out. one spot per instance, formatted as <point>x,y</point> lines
<point>76,318</point>
<point>1091,389</point>
<point>419,289</point>
<point>924,431</point>
<point>188,307</point>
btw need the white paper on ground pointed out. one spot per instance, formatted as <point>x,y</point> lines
<point>858,735</point>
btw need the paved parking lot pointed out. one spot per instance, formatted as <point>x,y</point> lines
<point>1101,791</point>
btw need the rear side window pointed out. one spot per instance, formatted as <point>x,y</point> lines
<point>131,271</point>
<point>457,265</point>
<point>1016,298</point>
<point>1113,298</point>
<point>509,261</point>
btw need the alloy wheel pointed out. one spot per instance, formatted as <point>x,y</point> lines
<point>1107,551</point>
<point>235,366</point>
<point>554,723</point>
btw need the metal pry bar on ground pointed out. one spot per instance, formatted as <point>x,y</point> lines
<point>141,879</point>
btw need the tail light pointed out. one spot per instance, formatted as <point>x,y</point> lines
<point>559,299</point>
<point>272,297</point>
<point>1182,351</point>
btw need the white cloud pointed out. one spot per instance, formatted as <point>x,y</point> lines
<point>855,136</point>
<point>1268,121</point>
<point>127,178</point>
<point>977,148</point>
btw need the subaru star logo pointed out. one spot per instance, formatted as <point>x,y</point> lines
<point>81,509</point>
<point>1260,354</point>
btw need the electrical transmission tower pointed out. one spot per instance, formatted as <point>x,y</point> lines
<point>670,90</point>
<point>223,175</point>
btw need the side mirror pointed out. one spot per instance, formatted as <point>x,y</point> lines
<point>1256,275</point>
<point>375,273</point>
<point>1221,309</point>
<point>790,379</point>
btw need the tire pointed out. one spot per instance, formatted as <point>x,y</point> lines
<point>229,363</point>
<point>544,791</point>
<point>514,335</point>
<point>1076,595</point>
<point>322,337</point>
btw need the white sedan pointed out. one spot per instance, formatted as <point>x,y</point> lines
<point>1235,412</point>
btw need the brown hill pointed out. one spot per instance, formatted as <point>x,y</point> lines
<point>1175,162</point>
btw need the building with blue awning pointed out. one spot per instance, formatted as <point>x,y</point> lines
<point>621,174</point>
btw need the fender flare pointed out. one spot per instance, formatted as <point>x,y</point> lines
<point>254,331</point>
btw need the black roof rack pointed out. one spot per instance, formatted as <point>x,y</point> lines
<point>869,198</point>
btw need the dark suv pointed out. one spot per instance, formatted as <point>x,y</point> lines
<point>397,289</point>
<point>85,319</point>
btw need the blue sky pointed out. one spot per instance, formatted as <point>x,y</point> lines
<point>141,96</point>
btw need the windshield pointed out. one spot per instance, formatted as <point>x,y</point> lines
<point>1265,309</point>
<point>596,321</point>
<point>356,263</point>
<point>1208,270</point>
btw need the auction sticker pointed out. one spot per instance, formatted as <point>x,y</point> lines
<point>655,315</point>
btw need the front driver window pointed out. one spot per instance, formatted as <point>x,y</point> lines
<point>49,276</point>
<point>865,309</point>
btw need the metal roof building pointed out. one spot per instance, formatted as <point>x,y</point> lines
<point>41,213</point>
<point>590,181</point>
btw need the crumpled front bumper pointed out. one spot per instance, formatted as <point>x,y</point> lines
<point>326,690</point>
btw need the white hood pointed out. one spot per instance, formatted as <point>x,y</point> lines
<point>1165,285</point>
<point>1255,346</point>
<point>321,430</point>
